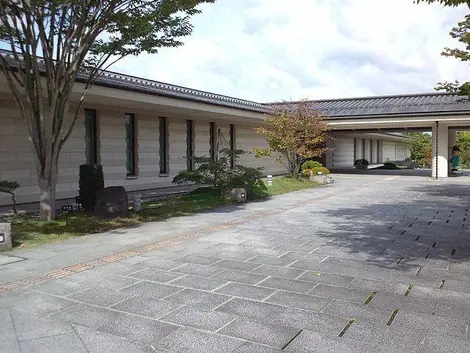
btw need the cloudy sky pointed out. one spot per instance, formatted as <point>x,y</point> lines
<point>267,50</point>
<point>272,50</point>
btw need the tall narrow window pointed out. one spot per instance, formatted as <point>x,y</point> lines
<point>91,137</point>
<point>131,145</point>
<point>232,145</point>
<point>213,141</point>
<point>371,151</point>
<point>164,156</point>
<point>189,144</point>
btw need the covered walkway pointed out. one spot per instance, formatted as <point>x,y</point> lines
<point>441,113</point>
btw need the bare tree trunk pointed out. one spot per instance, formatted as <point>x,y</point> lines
<point>45,126</point>
<point>13,198</point>
<point>47,181</point>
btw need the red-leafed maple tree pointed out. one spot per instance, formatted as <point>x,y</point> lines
<point>294,132</point>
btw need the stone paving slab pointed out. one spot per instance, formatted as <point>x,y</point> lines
<point>368,264</point>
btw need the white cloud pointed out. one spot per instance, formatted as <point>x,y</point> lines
<point>268,50</point>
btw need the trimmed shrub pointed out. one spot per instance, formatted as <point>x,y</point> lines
<point>390,165</point>
<point>91,180</point>
<point>316,171</point>
<point>311,165</point>
<point>321,170</point>
<point>361,162</point>
<point>219,174</point>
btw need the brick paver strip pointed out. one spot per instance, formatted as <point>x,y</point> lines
<point>66,271</point>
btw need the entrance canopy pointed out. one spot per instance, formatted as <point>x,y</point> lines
<point>441,113</point>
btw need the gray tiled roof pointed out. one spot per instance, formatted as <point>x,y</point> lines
<point>138,84</point>
<point>127,82</point>
<point>411,104</point>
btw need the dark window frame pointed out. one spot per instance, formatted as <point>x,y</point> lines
<point>164,155</point>
<point>91,137</point>
<point>190,144</point>
<point>131,145</point>
<point>213,136</point>
<point>232,144</point>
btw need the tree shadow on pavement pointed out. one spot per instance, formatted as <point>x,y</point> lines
<point>430,230</point>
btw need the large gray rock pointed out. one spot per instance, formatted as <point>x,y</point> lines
<point>111,202</point>
<point>5,236</point>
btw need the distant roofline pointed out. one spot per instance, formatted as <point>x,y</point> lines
<point>127,82</point>
<point>388,96</point>
<point>348,108</point>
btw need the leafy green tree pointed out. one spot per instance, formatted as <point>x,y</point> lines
<point>445,2</point>
<point>461,33</point>
<point>420,144</point>
<point>53,42</point>
<point>463,141</point>
<point>294,131</point>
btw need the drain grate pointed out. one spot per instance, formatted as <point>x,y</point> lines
<point>402,233</point>
<point>399,260</point>
<point>418,238</point>
<point>418,271</point>
<point>442,284</point>
<point>434,244</point>
<point>453,252</point>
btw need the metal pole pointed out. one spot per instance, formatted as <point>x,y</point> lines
<point>437,150</point>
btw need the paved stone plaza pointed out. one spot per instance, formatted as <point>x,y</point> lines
<point>368,264</point>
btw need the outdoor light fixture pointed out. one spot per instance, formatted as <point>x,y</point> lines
<point>65,210</point>
<point>2,237</point>
<point>270,180</point>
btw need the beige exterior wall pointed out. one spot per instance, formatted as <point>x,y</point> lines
<point>395,151</point>
<point>342,154</point>
<point>17,162</point>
